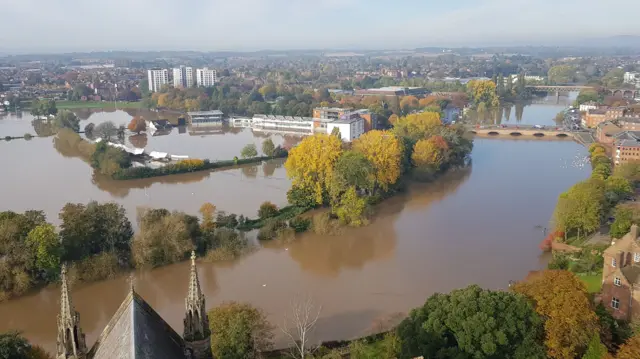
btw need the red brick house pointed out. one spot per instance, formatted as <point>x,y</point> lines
<point>621,276</point>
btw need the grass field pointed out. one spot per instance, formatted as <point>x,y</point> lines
<point>71,105</point>
<point>593,282</point>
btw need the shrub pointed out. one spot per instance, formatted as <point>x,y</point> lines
<point>559,261</point>
<point>98,267</point>
<point>249,151</point>
<point>271,229</point>
<point>7,138</point>
<point>267,210</point>
<point>323,224</point>
<point>28,136</point>
<point>229,244</point>
<point>300,224</point>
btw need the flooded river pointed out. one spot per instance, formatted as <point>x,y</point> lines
<point>475,226</point>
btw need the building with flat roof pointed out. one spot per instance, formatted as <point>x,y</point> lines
<point>205,118</point>
<point>330,112</point>
<point>392,91</point>
<point>206,77</point>
<point>183,77</point>
<point>303,125</point>
<point>157,78</point>
<point>350,128</point>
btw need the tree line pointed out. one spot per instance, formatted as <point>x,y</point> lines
<point>547,315</point>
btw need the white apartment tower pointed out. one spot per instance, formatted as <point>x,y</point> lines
<point>206,77</point>
<point>183,77</point>
<point>157,79</point>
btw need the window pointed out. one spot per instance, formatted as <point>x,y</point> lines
<point>615,303</point>
<point>613,262</point>
<point>616,281</point>
<point>636,257</point>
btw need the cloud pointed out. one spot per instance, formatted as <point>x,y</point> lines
<point>66,25</point>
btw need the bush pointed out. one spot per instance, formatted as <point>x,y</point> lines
<point>249,151</point>
<point>300,224</point>
<point>323,224</point>
<point>98,267</point>
<point>301,197</point>
<point>28,136</point>
<point>271,229</point>
<point>7,138</point>
<point>267,210</point>
<point>229,244</point>
<point>559,261</point>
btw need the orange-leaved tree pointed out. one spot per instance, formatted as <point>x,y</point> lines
<point>432,152</point>
<point>562,300</point>
<point>137,125</point>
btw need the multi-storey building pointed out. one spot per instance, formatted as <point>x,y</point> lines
<point>348,128</point>
<point>183,77</point>
<point>626,147</point>
<point>206,77</point>
<point>334,113</point>
<point>594,117</point>
<point>621,276</point>
<point>157,78</point>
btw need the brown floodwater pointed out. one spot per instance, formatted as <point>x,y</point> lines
<point>480,225</point>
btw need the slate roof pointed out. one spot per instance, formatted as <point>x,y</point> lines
<point>631,273</point>
<point>137,331</point>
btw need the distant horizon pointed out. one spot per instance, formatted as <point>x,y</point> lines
<point>581,43</point>
<point>63,26</point>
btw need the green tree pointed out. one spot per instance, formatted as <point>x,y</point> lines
<point>472,323</point>
<point>601,172</point>
<point>595,350</point>
<point>267,210</point>
<point>581,208</point>
<point>587,96</point>
<point>94,228</point>
<point>622,223</point>
<point>14,346</point>
<point>351,209</point>
<point>619,186</point>
<point>268,148</point>
<point>354,169</point>
<point>561,74</point>
<point>239,331</point>
<point>46,244</point>
<point>108,160</point>
<point>613,79</point>
<point>629,170</point>
<point>105,130</point>
<point>67,119</point>
<point>249,151</point>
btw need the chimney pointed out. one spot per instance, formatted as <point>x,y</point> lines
<point>634,232</point>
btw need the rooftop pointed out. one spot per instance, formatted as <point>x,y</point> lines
<point>205,113</point>
<point>336,109</point>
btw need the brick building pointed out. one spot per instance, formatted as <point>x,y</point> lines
<point>626,147</point>
<point>606,132</point>
<point>594,117</point>
<point>621,276</point>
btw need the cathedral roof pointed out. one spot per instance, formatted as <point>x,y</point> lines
<point>137,331</point>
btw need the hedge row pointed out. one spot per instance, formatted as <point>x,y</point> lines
<point>186,166</point>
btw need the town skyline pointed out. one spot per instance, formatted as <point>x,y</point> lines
<point>286,25</point>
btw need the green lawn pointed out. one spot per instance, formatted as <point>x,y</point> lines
<point>593,282</point>
<point>70,105</point>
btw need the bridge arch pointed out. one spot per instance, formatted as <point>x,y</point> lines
<point>493,133</point>
<point>562,135</point>
<point>538,134</point>
<point>515,133</point>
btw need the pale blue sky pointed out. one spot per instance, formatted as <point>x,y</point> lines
<point>210,25</point>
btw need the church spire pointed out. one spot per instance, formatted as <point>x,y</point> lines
<point>196,323</point>
<point>71,340</point>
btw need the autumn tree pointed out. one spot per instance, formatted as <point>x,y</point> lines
<point>310,164</point>
<point>267,210</point>
<point>483,92</point>
<point>163,238</point>
<point>268,148</point>
<point>384,151</point>
<point>472,323</point>
<point>417,126</point>
<point>432,153</point>
<point>562,299</point>
<point>137,125</point>
<point>630,349</point>
<point>393,119</point>
<point>239,331</point>
<point>208,212</point>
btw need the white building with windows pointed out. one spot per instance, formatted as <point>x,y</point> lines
<point>183,77</point>
<point>350,128</point>
<point>206,118</point>
<point>206,77</point>
<point>157,78</point>
<point>632,78</point>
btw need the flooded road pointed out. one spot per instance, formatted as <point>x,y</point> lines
<point>474,226</point>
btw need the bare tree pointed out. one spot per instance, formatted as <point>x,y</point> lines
<point>299,324</point>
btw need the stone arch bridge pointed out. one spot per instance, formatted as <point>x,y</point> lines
<point>625,93</point>
<point>517,131</point>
